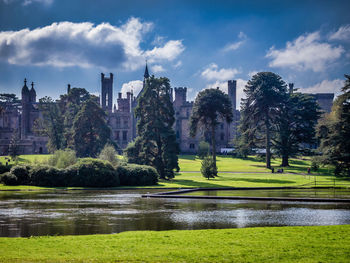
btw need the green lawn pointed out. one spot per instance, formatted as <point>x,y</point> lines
<point>249,172</point>
<point>270,244</point>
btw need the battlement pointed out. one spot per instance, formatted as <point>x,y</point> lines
<point>180,89</point>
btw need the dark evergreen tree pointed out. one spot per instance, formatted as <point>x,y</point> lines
<point>334,133</point>
<point>210,108</point>
<point>50,124</point>
<point>295,125</point>
<point>90,130</point>
<point>156,142</point>
<point>265,93</point>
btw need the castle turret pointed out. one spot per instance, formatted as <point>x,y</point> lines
<point>25,101</point>
<point>107,92</point>
<point>180,96</point>
<point>232,87</point>
<point>32,93</point>
<point>291,87</point>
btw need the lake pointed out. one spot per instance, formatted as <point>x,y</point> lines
<point>83,212</point>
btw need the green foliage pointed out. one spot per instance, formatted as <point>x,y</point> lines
<point>134,175</point>
<point>14,145</point>
<point>90,130</point>
<point>109,153</point>
<point>62,158</point>
<point>295,125</point>
<point>51,124</point>
<point>210,107</point>
<point>49,176</point>
<point>334,133</point>
<point>156,144</point>
<point>209,169</point>
<point>4,168</point>
<point>316,162</point>
<point>203,149</point>
<point>265,93</point>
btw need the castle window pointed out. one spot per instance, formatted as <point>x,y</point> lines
<point>177,134</point>
<point>222,126</point>
<point>125,135</point>
<point>116,135</point>
<point>126,123</point>
<point>188,113</point>
<point>191,145</point>
<point>222,136</point>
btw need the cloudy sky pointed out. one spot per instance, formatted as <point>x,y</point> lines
<point>197,44</point>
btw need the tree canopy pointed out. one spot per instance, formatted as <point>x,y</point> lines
<point>156,142</point>
<point>211,107</point>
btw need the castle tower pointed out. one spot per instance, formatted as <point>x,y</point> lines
<point>107,92</point>
<point>232,87</point>
<point>32,97</point>
<point>25,110</point>
<point>180,96</point>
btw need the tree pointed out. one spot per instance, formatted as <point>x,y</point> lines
<point>14,144</point>
<point>210,107</point>
<point>50,124</point>
<point>208,168</point>
<point>265,93</point>
<point>90,130</point>
<point>109,153</point>
<point>334,133</point>
<point>295,125</point>
<point>203,149</point>
<point>156,142</point>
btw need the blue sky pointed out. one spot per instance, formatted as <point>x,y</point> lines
<point>197,44</point>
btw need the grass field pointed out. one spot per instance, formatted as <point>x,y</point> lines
<point>250,172</point>
<point>270,244</point>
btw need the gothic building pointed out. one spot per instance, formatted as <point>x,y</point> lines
<point>20,117</point>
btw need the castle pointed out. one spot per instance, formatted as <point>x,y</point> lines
<point>20,117</point>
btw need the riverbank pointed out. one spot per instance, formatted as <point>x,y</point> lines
<point>261,244</point>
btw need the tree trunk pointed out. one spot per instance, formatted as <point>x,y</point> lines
<point>285,160</point>
<point>268,154</point>
<point>213,144</point>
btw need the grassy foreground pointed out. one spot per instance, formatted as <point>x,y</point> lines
<point>272,244</point>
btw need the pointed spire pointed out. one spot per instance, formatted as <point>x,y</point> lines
<point>25,88</point>
<point>146,75</point>
<point>25,81</point>
<point>32,85</point>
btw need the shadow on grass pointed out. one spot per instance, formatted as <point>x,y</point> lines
<point>188,157</point>
<point>191,183</point>
<point>264,181</point>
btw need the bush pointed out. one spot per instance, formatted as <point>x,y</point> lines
<point>315,163</point>
<point>4,168</point>
<point>109,153</point>
<point>134,174</point>
<point>203,149</point>
<point>91,172</point>
<point>49,176</point>
<point>209,169</point>
<point>21,173</point>
<point>9,179</point>
<point>62,158</point>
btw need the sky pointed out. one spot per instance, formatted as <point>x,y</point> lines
<point>196,44</point>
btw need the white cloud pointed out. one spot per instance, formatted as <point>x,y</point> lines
<point>305,52</point>
<point>66,44</point>
<point>178,64</point>
<point>212,72</point>
<point>237,44</point>
<point>28,2</point>
<point>135,86</point>
<point>169,51</point>
<point>343,33</point>
<point>253,72</point>
<point>326,86</point>
<point>157,68</point>
<point>224,87</point>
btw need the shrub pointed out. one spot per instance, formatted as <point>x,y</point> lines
<point>315,163</point>
<point>4,168</point>
<point>203,149</point>
<point>9,179</point>
<point>209,169</point>
<point>49,176</point>
<point>109,153</point>
<point>62,158</point>
<point>93,173</point>
<point>134,174</point>
<point>21,173</point>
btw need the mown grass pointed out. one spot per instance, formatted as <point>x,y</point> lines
<point>272,244</point>
<point>249,172</point>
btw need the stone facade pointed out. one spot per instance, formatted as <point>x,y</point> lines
<point>120,117</point>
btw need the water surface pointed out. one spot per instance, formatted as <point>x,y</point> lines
<point>104,212</point>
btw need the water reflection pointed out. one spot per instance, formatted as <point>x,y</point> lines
<point>96,212</point>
